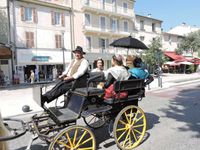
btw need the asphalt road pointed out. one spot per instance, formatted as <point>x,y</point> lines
<point>173,122</point>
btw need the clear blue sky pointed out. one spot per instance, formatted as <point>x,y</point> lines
<point>171,12</point>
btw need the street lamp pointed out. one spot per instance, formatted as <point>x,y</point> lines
<point>63,49</point>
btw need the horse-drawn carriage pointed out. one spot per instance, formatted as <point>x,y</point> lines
<point>58,127</point>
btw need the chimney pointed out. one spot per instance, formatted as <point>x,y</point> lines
<point>149,15</point>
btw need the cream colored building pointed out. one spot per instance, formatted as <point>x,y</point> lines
<point>174,36</point>
<point>170,42</point>
<point>98,22</point>
<point>39,29</point>
<point>147,28</point>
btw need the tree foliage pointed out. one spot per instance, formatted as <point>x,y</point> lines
<point>3,26</point>
<point>154,55</point>
<point>191,43</point>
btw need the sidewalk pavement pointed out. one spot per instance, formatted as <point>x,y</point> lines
<point>13,98</point>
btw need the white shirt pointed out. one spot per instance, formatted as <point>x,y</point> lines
<point>118,72</point>
<point>96,70</point>
<point>81,70</point>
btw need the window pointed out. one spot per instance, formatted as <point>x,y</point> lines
<point>142,25</point>
<point>125,7</point>
<point>29,39</point>
<point>87,2</point>
<point>170,40</point>
<point>88,43</point>
<point>28,14</point>
<point>103,44</point>
<point>142,38</point>
<point>4,62</point>
<point>114,6</point>
<point>58,18</point>
<point>102,4</point>
<point>103,23</point>
<point>153,27</point>
<point>87,19</point>
<point>113,24</point>
<point>58,41</point>
<point>125,26</point>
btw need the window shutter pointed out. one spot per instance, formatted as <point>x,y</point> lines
<point>32,39</point>
<point>27,39</point>
<point>35,17</point>
<point>56,40</point>
<point>60,41</point>
<point>63,19</point>
<point>52,18</point>
<point>107,43</point>
<point>22,13</point>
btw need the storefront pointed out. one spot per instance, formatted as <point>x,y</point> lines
<point>5,64</point>
<point>45,64</point>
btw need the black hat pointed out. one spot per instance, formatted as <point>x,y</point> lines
<point>80,49</point>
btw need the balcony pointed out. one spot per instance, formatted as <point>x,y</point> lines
<point>107,9</point>
<point>106,30</point>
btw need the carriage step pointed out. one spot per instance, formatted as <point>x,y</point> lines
<point>95,110</point>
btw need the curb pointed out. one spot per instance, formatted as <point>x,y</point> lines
<point>174,84</point>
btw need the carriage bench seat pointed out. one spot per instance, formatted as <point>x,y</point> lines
<point>135,88</point>
<point>62,115</point>
<point>90,91</point>
<point>69,113</point>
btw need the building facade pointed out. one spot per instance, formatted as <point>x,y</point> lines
<point>147,28</point>
<point>99,22</point>
<point>170,42</point>
<point>41,37</point>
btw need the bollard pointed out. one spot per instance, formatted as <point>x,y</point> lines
<point>149,87</point>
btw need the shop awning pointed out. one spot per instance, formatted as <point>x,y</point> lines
<point>175,57</point>
<point>195,60</point>
<point>5,53</point>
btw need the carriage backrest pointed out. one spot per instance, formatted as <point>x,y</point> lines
<point>75,103</point>
<point>96,77</point>
<point>128,85</point>
<point>80,82</point>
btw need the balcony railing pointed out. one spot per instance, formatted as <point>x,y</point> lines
<point>107,29</point>
<point>107,8</point>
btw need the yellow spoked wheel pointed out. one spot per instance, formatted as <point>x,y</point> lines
<point>74,138</point>
<point>129,127</point>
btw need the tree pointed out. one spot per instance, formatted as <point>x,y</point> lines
<point>191,43</point>
<point>154,55</point>
<point>3,26</point>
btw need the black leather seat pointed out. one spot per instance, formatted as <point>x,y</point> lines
<point>90,91</point>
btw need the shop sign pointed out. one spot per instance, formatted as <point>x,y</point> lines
<point>41,58</point>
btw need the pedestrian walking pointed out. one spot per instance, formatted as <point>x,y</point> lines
<point>32,76</point>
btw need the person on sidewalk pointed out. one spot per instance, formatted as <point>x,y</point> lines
<point>76,69</point>
<point>32,76</point>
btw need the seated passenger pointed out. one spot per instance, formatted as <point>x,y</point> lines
<point>116,73</point>
<point>99,63</point>
<point>75,70</point>
<point>139,73</point>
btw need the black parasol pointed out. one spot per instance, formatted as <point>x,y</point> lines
<point>129,42</point>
